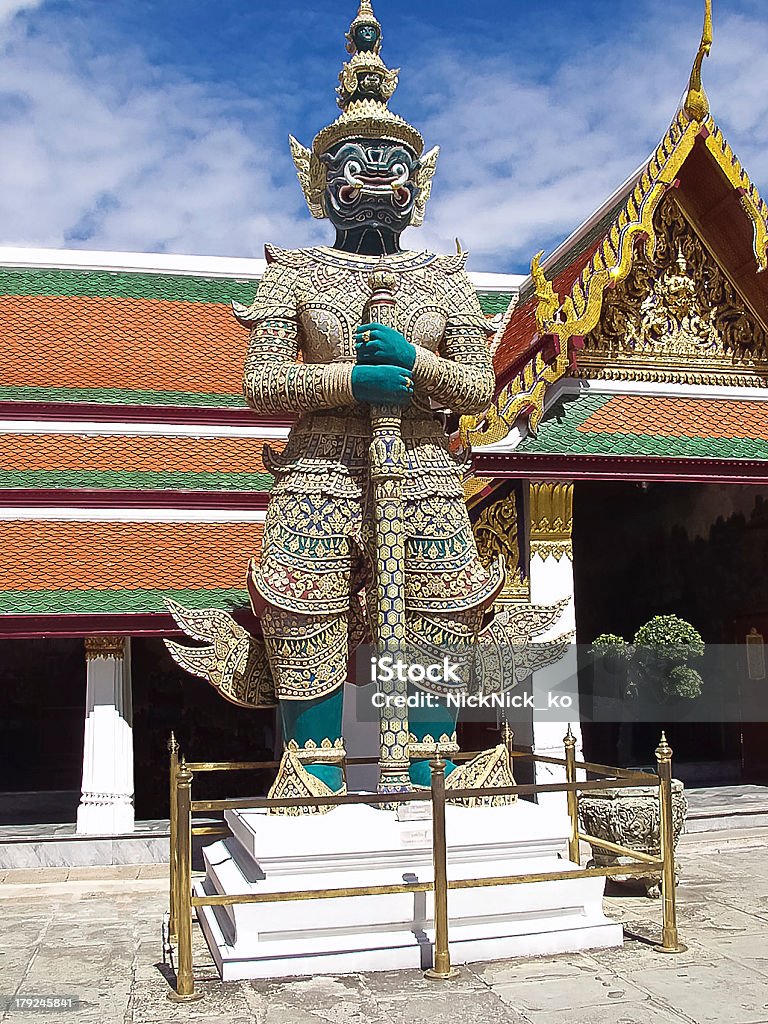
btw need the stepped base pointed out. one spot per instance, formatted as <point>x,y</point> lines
<point>359,845</point>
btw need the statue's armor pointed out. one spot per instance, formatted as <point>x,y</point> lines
<point>319,546</point>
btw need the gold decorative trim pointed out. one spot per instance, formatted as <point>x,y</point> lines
<point>497,533</point>
<point>104,647</point>
<point>428,746</point>
<point>327,752</point>
<point>551,509</point>
<point>696,104</point>
<point>552,549</point>
<point>548,299</point>
<point>551,519</point>
<point>490,769</point>
<point>677,316</point>
<point>293,780</point>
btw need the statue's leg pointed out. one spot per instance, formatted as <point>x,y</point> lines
<point>310,723</point>
<point>432,731</point>
<point>308,658</point>
<point>447,593</point>
<point>435,641</point>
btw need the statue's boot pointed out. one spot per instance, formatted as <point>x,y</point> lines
<point>433,732</point>
<point>312,764</point>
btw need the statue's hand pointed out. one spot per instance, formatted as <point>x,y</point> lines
<point>377,345</point>
<point>382,385</point>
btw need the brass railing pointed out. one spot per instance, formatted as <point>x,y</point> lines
<point>183,900</point>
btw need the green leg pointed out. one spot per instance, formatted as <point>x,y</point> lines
<point>434,722</point>
<point>316,720</point>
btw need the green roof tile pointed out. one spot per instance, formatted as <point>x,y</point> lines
<point>136,480</point>
<point>87,602</point>
<point>558,434</point>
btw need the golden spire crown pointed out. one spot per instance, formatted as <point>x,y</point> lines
<point>696,104</point>
<point>365,16</point>
<point>366,85</point>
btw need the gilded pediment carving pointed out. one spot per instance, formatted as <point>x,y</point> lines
<point>676,317</point>
<point>497,533</point>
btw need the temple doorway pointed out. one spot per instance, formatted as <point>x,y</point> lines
<point>41,730</point>
<point>699,551</point>
<point>207,727</point>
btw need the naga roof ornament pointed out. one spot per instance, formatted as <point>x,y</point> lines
<point>366,85</point>
<point>696,104</point>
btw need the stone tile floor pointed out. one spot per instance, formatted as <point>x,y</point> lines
<point>95,933</point>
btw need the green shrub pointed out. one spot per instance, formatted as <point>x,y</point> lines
<point>657,658</point>
<point>683,681</point>
<point>610,644</point>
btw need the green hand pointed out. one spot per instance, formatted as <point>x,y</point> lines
<point>377,345</point>
<point>382,385</point>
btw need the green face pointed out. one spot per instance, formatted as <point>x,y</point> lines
<point>365,36</point>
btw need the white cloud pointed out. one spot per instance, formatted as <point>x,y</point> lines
<point>102,153</point>
<point>109,152</point>
<point>523,165</point>
<point>10,8</point>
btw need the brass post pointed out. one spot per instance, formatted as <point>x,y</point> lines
<point>441,970</point>
<point>185,983</point>
<point>508,739</point>
<point>573,800</point>
<point>670,942</point>
<point>173,764</point>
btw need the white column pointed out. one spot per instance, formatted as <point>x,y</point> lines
<point>551,580</point>
<point>106,804</point>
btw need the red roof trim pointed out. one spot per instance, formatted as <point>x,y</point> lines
<point>116,498</point>
<point>22,627</point>
<point>96,412</point>
<point>619,467</point>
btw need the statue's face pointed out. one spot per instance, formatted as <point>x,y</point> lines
<point>370,184</point>
<point>365,36</point>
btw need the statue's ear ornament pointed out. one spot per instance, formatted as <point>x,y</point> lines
<point>312,176</point>
<point>423,181</point>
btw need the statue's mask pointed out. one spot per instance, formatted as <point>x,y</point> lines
<point>370,184</point>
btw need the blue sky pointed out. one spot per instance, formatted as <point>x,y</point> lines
<point>161,125</point>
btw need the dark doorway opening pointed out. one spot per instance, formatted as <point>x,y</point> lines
<point>41,730</point>
<point>207,727</point>
<point>699,551</point>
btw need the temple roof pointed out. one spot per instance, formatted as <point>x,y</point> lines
<point>652,425</point>
<point>599,435</point>
<point>130,467</point>
<point>539,339</point>
<point>75,571</point>
<point>117,332</point>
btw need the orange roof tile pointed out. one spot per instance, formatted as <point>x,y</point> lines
<point>75,556</point>
<point>117,452</point>
<point>679,417</point>
<point>96,342</point>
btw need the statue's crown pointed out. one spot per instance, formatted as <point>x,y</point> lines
<point>366,85</point>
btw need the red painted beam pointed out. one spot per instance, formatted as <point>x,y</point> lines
<point>26,627</point>
<point>619,467</point>
<point>61,497</point>
<point>101,413</point>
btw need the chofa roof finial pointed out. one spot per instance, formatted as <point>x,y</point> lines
<point>696,104</point>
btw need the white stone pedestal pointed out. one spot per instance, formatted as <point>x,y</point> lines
<point>359,845</point>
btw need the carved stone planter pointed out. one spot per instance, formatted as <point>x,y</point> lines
<point>630,817</point>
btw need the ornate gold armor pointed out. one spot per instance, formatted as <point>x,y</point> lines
<point>318,553</point>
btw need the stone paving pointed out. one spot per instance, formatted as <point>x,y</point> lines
<point>95,933</point>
